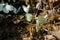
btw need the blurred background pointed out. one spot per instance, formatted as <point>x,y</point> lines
<point>29,19</point>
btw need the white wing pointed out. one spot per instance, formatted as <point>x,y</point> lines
<point>9,7</point>
<point>15,10</point>
<point>28,6</point>
<point>46,16</point>
<point>26,9</point>
<point>28,17</point>
<point>1,6</point>
<point>37,5</point>
<point>5,11</point>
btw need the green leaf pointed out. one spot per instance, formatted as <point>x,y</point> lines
<point>41,19</point>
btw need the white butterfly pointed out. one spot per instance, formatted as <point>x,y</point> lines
<point>28,17</point>
<point>5,7</point>
<point>9,7</point>
<point>26,9</point>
